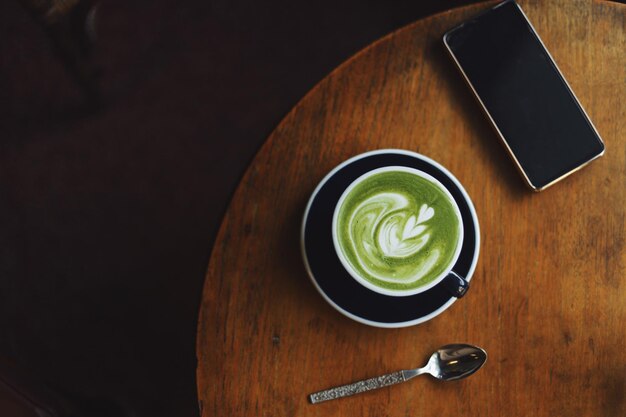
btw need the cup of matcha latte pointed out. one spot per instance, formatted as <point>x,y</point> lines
<point>397,231</point>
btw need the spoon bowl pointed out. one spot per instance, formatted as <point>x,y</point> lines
<point>452,362</point>
<point>448,363</point>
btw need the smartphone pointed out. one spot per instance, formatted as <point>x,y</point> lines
<point>524,95</point>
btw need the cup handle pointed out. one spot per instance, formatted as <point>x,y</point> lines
<point>456,284</point>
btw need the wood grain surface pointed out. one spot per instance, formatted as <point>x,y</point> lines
<point>548,298</point>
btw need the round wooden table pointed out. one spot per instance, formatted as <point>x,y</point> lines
<point>548,298</point>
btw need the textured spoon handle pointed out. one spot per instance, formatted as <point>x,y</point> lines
<point>357,387</point>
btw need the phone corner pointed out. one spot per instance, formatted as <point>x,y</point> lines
<point>444,38</point>
<point>535,188</point>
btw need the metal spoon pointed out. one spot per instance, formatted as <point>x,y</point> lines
<point>448,363</point>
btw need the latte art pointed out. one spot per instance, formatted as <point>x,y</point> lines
<point>396,244</point>
<point>397,230</point>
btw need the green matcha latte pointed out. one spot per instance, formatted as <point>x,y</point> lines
<point>397,230</point>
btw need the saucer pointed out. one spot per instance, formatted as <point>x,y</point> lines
<point>336,284</point>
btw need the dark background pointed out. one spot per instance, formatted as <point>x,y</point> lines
<point>108,211</point>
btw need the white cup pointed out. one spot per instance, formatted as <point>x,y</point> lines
<point>454,283</point>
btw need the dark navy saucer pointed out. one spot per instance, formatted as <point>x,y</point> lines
<point>338,287</point>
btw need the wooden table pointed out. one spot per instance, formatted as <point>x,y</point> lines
<point>548,299</point>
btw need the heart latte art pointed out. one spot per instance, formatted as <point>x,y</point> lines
<point>397,230</point>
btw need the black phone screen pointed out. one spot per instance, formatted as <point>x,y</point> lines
<point>524,93</point>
